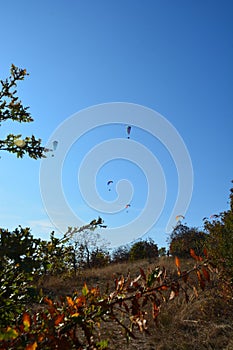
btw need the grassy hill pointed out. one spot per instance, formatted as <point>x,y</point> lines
<point>204,322</point>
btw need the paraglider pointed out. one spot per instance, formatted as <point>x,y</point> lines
<point>127,206</point>
<point>109,183</point>
<point>55,143</point>
<point>128,131</point>
<point>179,217</point>
<point>213,216</point>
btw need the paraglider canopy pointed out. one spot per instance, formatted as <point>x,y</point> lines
<point>179,217</point>
<point>213,216</point>
<point>109,183</point>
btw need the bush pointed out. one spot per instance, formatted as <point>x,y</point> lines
<point>144,250</point>
<point>183,239</point>
<point>220,239</point>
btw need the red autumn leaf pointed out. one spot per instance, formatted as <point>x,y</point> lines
<point>48,301</point>
<point>164,287</point>
<point>155,311</point>
<point>193,255</point>
<point>58,319</point>
<point>206,274</point>
<point>143,274</point>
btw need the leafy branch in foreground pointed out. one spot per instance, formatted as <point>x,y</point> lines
<point>11,108</point>
<point>78,321</point>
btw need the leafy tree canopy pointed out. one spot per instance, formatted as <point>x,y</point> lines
<point>12,109</point>
<point>220,238</point>
<point>184,238</point>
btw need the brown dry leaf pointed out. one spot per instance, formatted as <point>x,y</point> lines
<point>172,295</point>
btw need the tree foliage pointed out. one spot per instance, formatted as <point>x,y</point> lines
<point>120,254</point>
<point>144,250</point>
<point>220,239</point>
<point>184,238</point>
<point>12,109</point>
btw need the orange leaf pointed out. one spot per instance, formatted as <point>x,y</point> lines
<point>26,320</point>
<point>177,262</point>
<point>79,301</point>
<point>48,301</point>
<point>40,337</point>
<point>31,346</point>
<point>198,275</point>
<point>58,319</point>
<point>70,301</point>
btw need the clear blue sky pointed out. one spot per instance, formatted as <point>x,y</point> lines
<point>174,57</point>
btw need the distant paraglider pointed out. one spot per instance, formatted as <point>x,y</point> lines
<point>179,217</point>
<point>127,206</point>
<point>55,143</point>
<point>128,131</point>
<point>213,216</point>
<point>109,183</point>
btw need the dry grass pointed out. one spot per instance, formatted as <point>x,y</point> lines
<point>206,322</point>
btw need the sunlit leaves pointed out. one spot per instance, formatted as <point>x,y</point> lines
<point>26,320</point>
<point>61,322</point>
<point>11,108</point>
<point>9,334</point>
<point>85,290</point>
<point>31,346</point>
